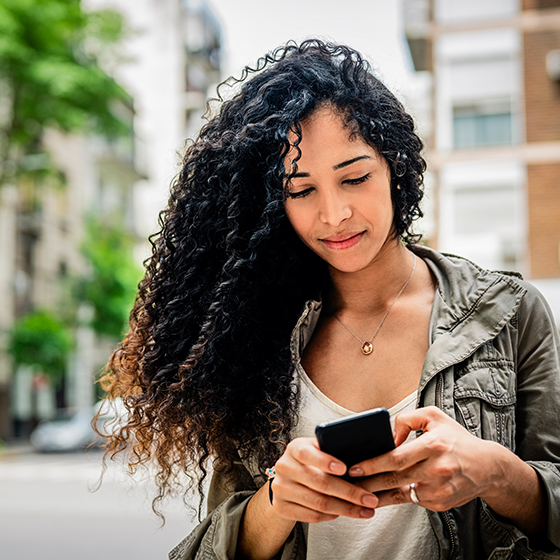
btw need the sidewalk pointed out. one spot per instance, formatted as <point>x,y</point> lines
<point>9,450</point>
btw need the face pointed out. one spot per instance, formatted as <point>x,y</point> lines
<point>339,202</point>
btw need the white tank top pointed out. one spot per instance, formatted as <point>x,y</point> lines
<point>397,532</point>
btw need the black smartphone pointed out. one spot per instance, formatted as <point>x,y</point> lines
<point>357,437</point>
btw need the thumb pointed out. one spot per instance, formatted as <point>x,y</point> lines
<point>420,419</point>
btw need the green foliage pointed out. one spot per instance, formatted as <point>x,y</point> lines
<point>42,340</point>
<point>50,74</point>
<point>112,284</point>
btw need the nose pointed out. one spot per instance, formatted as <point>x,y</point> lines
<point>334,208</point>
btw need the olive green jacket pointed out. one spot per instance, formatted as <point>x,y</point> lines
<point>494,366</point>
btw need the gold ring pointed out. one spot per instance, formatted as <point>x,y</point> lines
<point>413,495</point>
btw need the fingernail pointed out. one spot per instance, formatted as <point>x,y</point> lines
<point>337,468</point>
<point>366,513</point>
<point>356,471</point>
<point>370,501</point>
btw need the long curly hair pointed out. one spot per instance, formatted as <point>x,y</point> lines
<point>206,371</point>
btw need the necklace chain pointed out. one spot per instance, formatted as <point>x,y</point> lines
<point>367,345</point>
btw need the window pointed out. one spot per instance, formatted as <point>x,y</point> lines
<point>459,11</point>
<point>487,225</point>
<point>486,209</point>
<point>482,125</point>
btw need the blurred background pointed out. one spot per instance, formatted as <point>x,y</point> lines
<point>97,99</point>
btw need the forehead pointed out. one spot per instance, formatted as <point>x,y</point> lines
<point>327,134</point>
<point>328,115</point>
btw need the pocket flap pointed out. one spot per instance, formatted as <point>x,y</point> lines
<point>494,383</point>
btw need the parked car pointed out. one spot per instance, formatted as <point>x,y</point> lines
<point>72,430</point>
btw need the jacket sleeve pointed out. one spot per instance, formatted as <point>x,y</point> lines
<point>538,413</point>
<point>215,538</point>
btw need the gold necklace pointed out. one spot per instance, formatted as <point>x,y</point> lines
<point>367,345</point>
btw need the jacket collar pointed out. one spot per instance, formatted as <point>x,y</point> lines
<point>471,306</point>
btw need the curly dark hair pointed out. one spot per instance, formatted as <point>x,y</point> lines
<point>206,371</point>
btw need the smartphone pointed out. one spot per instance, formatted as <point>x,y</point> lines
<point>357,437</point>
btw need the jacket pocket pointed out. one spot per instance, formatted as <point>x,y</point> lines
<point>485,400</point>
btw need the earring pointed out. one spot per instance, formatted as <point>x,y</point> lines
<point>398,187</point>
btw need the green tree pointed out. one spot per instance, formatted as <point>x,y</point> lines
<point>42,340</point>
<point>50,75</point>
<point>113,277</point>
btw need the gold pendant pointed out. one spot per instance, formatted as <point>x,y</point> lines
<point>367,348</point>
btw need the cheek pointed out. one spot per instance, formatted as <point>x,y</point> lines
<point>302,226</point>
<point>296,218</point>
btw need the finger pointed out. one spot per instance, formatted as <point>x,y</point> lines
<point>394,497</point>
<point>398,496</point>
<point>400,459</point>
<point>405,495</point>
<point>429,498</point>
<point>324,483</point>
<point>296,512</point>
<point>325,504</point>
<point>294,468</point>
<point>306,452</point>
<point>392,480</point>
<point>419,420</point>
<point>413,420</point>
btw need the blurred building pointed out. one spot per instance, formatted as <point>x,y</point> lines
<point>203,50</point>
<point>494,149</point>
<point>173,58</point>
<point>41,251</point>
<point>171,61</point>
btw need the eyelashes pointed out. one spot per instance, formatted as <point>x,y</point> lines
<point>305,192</point>
<point>299,194</point>
<point>356,181</point>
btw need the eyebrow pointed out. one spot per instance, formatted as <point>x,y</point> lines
<point>335,167</point>
<point>350,162</point>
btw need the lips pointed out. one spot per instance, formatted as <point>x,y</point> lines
<point>342,241</point>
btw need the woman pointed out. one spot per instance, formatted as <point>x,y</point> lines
<point>300,194</point>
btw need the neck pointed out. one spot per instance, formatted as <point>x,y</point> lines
<point>369,291</point>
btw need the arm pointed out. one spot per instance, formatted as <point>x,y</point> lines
<point>517,493</point>
<point>263,532</point>
<point>216,536</point>
<point>538,401</point>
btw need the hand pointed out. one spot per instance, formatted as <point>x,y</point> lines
<point>448,465</point>
<point>307,489</point>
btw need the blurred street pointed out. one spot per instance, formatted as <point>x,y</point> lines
<point>48,511</point>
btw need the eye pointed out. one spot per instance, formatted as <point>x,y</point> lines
<point>356,181</point>
<point>300,194</point>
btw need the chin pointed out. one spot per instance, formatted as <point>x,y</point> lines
<point>347,267</point>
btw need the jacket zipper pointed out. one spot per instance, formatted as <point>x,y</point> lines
<point>444,514</point>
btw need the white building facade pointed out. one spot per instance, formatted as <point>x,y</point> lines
<point>483,152</point>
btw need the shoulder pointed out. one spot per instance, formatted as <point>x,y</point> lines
<point>535,315</point>
<point>455,268</point>
<point>468,288</point>
<point>464,286</point>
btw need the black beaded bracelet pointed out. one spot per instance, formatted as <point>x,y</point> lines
<point>271,474</point>
<point>270,496</point>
